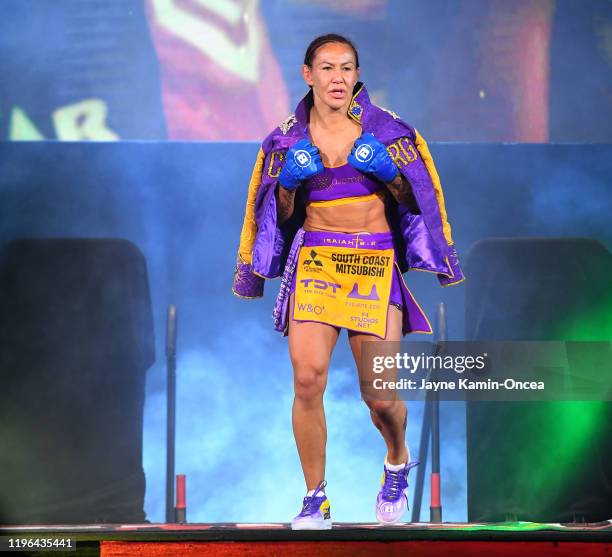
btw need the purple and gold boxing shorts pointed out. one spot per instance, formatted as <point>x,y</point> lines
<point>347,281</point>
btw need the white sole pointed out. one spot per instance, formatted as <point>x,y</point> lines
<point>326,524</point>
<point>385,522</point>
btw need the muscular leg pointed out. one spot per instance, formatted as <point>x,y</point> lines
<point>310,348</point>
<point>389,416</point>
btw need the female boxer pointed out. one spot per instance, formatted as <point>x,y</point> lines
<point>331,206</point>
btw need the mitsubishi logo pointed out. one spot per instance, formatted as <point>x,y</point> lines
<point>314,260</point>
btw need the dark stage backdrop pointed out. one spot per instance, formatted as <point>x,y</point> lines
<point>181,204</point>
<point>76,340</point>
<point>552,459</point>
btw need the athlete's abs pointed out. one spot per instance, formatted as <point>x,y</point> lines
<point>343,199</point>
<point>366,216</point>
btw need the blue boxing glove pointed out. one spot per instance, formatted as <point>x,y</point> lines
<point>370,156</point>
<point>301,162</point>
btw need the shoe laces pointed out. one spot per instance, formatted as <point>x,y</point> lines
<point>311,502</point>
<point>395,482</point>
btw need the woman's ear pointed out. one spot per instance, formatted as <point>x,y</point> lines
<point>307,75</point>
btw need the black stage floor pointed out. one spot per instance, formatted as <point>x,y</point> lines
<point>228,531</point>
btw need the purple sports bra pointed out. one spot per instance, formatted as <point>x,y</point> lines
<point>338,182</point>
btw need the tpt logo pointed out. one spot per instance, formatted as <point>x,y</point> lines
<point>320,284</point>
<point>303,158</point>
<point>314,259</point>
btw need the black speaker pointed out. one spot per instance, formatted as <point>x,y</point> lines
<point>539,461</point>
<point>76,339</point>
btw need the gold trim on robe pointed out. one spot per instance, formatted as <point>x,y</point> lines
<point>249,226</point>
<point>423,149</point>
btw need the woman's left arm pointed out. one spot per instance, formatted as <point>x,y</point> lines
<point>402,192</point>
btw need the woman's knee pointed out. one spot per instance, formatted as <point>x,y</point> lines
<point>309,380</point>
<point>384,408</point>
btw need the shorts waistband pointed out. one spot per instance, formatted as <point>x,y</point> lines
<point>364,240</point>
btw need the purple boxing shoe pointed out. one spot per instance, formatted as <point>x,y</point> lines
<point>392,500</point>
<point>315,514</point>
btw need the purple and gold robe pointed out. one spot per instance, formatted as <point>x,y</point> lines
<point>422,235</point>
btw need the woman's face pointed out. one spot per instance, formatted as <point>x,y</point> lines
<point>333,75</point>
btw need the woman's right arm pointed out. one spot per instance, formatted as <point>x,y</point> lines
<point>285,200</point>
<point>301,162</point>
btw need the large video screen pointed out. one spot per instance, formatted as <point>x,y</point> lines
<point>525,71</point>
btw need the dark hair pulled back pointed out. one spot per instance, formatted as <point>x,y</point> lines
<point>325,39</point>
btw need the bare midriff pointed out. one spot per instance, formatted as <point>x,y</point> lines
<point>358,216</point>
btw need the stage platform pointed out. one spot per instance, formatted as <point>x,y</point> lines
<point>344,539</point>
